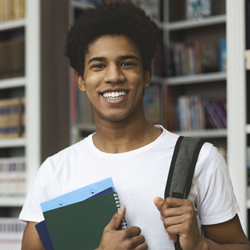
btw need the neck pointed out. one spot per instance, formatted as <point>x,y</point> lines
<point>119,137</point>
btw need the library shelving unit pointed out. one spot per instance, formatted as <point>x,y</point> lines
<point>226,21</point>
<point>27,86</point>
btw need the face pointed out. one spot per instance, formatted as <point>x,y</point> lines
<point>114,78</point>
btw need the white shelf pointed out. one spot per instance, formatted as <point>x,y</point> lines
<point>12,24</point>
<point>210,133</point>
<point>248,204</point>
<point>11,143</point>
<point>192,79</point>
<point>80,5</point>
<point>248,128</point>
<point>194,23</point>
<point>12,83</point>
<point>11,201</point>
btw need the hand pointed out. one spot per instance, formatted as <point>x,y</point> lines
<point>129,238</point>
<point>180,221</point>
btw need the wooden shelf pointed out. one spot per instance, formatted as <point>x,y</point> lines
<point>12,24</point>
<point>13,83</point>
<point>194,23</point>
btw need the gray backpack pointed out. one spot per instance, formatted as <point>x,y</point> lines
<point>182,169</point>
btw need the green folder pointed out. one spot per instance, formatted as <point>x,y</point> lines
<point>80,225</point>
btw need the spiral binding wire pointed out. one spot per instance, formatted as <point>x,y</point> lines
<point>118,205</point>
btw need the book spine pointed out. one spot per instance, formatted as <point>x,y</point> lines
<point>11,232</point>
<point>118,205</point>
<point>12,177</point>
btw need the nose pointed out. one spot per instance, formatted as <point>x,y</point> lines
<point>113,74</point>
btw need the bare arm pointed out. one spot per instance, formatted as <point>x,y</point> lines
<point>31,239</point>
<point>228,235</point>
<point>179,220</point>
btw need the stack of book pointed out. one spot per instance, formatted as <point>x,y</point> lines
<point>12,58</point>
<point>12,118</point>
<point>193,113</point>
<point>76,220</point>
<point>11,233</point>
<point>12,177</point>
<point>11,9</point>
<point>201,56</point>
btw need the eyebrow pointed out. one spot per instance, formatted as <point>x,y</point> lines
<point>102,59</point>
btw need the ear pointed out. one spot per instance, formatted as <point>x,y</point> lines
<point>147,77</point>
<point>80,82</point>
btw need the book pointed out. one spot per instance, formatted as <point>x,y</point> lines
<point>11,233</point>
<point>87,192</point>
<point>152,103</point>
<point>78,195</point>
<point>80,225</point>
<point>198,9</point>
<point>42,229</point>
<point>223,55</point>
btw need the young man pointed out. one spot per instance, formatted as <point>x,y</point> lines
<point>111,48</point>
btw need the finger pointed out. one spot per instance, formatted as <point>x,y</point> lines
<point>137,241</point>
<point>173,237</point>
<point>175,202</point>
<point>131,232</point>
<point>159,203</point>
<point>186,209</point>
<point>116,219</point>
<point>143,246</point>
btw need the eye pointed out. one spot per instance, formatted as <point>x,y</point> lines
<point>127,64</point>
<point>99,66</point>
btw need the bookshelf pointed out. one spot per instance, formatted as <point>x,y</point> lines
<point>26,85</point>
<point>226,20</point>
<point>45,72</point>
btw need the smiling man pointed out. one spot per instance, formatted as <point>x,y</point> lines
<point>111,48</point>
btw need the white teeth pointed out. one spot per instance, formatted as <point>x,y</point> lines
<point>114,95</point>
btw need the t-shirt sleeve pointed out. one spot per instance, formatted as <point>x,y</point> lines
<point>39,192</point>
<point>217,201</point>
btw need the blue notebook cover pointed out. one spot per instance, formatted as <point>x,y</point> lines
<point>78,195</point>
<point>96,189</point>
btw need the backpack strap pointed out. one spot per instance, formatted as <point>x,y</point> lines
<point>182,169</point>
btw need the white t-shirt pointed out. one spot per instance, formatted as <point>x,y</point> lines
<point>139,176</point>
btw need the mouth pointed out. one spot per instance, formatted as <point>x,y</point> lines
<point>115,95</point>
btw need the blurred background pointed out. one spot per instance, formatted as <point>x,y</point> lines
<point>199,88</point>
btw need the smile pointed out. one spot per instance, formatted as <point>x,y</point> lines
<point>115,95</point>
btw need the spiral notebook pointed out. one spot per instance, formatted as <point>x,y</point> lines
<point>95,189</point>
<point>42,229</point>
<point>80,225</point>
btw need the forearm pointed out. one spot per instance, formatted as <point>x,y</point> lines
<point>211,245</point>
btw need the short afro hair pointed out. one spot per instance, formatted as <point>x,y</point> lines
<point>112,19</point>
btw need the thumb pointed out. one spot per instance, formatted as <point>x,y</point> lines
<point>159,202</point>
<point>117,219</point>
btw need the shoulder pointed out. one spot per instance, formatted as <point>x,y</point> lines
<point>64,159</point>
<point>210,160</point>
